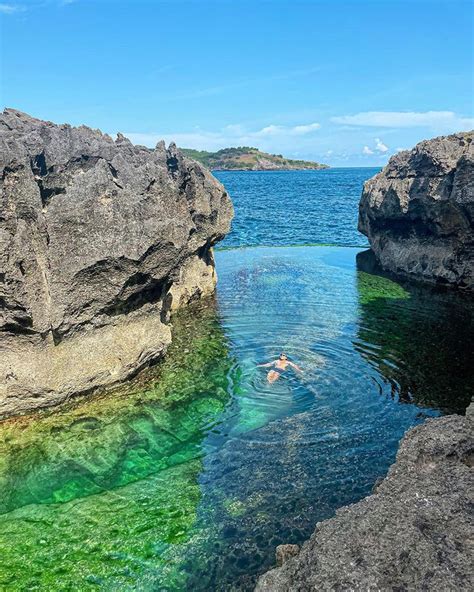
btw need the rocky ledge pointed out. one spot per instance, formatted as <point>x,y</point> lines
<point>418,212</point>
<point>414,533</point>
<point>99,240</point>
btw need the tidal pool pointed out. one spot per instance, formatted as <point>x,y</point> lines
<point>188,477</point>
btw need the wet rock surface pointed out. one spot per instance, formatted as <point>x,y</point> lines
<point>99,239</point>
<point>414,533</point>
<point>418,212</point>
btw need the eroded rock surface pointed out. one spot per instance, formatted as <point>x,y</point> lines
<point>414,533</point>
<point>418,212</point>
<point>99,239</point>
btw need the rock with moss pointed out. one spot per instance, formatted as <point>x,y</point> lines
<point>99,239</point>
<point>103,493</point>
<point>391,327</point>
<point>418,211</point>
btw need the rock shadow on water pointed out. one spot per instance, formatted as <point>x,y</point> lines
<point>420,338</point>
<point>104,489</point>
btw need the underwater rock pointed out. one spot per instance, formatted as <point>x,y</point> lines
<point>418,212</point>
<point>99,240</point>
<point>107,487</point>
<point>395,319</point>
<point>414,533</point>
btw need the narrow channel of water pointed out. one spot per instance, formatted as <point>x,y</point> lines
<point>187,478</point>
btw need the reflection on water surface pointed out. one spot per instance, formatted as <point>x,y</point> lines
<point>191,475</point>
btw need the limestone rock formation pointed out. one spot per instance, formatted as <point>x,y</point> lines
<point>414,533</point>
<point>99,239</point>
<point>418,212</point>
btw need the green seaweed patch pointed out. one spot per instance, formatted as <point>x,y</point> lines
<point>102,490</point>
<point>110,539</point>
<point>373,287</point>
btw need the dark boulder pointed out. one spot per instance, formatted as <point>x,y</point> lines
<point>99,239</point>
<point>418,212</point>
<point>414,533</point>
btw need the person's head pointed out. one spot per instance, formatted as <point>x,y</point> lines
<point>283,356</point>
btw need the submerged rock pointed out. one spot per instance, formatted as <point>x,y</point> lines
<point>99,239</point>
<point>414,533</point>
<point>107,487</point>
<point>418,212</point>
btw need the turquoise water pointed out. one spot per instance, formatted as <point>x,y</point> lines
<point>295,207</point>
<point>189,476</point>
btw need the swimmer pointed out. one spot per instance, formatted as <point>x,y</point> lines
<point>279,367</point>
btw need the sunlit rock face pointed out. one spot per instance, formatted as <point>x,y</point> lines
<point>99,239</point>
<point>418,211</point>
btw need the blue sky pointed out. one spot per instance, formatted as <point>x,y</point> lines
<point>343,82</point>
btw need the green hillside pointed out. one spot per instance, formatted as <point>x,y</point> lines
<point>248,159</point>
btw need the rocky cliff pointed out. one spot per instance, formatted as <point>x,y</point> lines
<point>99,240</point>
<point>414,533</point>
<point>418,213</point>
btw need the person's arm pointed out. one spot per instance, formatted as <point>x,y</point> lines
<point>266,365</point>
<point>295,366</point>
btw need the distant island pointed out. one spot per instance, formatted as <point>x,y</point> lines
<point>245,158</point>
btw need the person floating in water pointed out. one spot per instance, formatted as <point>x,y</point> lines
<point>279,366</point>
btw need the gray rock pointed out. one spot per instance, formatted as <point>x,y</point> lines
<point>415,533</point>
<point>98,241</point>
<point>285,552</point>
<point>418,212</point>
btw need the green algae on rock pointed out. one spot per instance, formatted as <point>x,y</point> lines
<point>400,321</point>
<point>93,493</point>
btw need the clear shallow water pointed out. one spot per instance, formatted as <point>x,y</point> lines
<point>189,477</point>
<point>295,207</point>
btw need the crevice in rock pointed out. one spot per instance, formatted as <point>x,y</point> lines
<point>46,193</point>
<point>38,165</point>
<point>11,170</point>
<point>401,227</point>
<point>150,185</point>
<point>40,171</point>
<point>172,164</point>
<point>148,291</point>
<point>83,162</point>
<point>205,254</point>
<point>113,170</point>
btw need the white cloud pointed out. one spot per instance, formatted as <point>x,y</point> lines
<point>271,137</point>
<point>443,120</point>
<point>270,130</point>
<point>367,150</point>
<point>234,129</point>
<point>306,129</point>
<point>10,8</point>
<point>278,130</point>
<point>380,146</point>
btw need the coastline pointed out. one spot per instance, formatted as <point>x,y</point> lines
<point>423,504</point>
<point>270,170</point>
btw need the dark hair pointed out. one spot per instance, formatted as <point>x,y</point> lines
<point>283,354</point>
